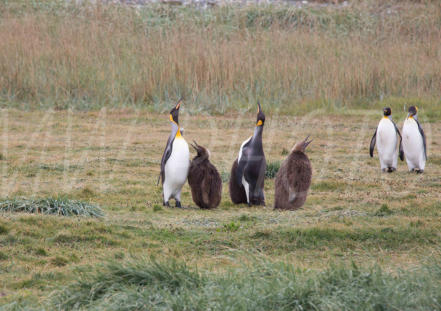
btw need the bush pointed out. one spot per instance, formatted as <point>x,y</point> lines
<point>271,169</point>
<point>50,206</point>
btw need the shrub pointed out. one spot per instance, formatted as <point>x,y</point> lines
<point>271,169</point>
<point>50,206</point>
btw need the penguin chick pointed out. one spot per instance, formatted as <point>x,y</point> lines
<point>204,179</point>
<point>293,178</point>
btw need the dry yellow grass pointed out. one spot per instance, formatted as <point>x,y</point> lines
<point>93,56</point>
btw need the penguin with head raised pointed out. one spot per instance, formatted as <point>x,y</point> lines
<point>414,142</point>
<point>204,179</point>
<point>248,170</point>
<point>293,178</point>
<point>386,137</point>
<point>175,161</point>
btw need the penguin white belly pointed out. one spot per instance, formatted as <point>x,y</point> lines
<point>413,145</point>
<point>176,169</point>
<point>241,148</point>
<point>387,144</point>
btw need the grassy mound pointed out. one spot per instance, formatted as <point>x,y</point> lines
<point>146,285</point>
<point>51,206</point>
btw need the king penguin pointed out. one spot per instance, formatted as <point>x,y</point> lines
<point>386,137</point>
<point>248,171</point>
<point>175,161</point>
<point>414,142</point>
<point>293,179</point>
<point>204,179</point>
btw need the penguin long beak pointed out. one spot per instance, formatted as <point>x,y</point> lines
<point>259,108</point>
<point>306,142</point>
<point>195,146</point>
<point>179,102</point>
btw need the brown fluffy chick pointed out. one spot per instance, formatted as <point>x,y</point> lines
<point>204,179</point>
<point>293,178</point>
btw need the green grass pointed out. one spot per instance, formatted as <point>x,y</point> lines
<point>149,285</point>
<point>50,206</point>
<point>271,169</point>
<point>384,210</point>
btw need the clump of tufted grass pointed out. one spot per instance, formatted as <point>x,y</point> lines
<point>50,206</point>
<point>271,169</point>
<point>149,285</point>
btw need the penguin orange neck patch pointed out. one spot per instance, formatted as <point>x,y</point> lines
<point>259,123</point>
<point>178,134</point>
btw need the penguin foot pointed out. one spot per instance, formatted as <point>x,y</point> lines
<point>418,171</point>
<point>166,204</point>
<point>178,204</point>
<point>391,169</point>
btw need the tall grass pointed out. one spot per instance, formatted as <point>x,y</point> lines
<point>145,285</point>
<point>90,56</point>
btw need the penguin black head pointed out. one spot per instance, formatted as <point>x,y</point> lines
<point>301,146</point>
<point>413,110</point>
<point>260,116</point>
<point>174,113</point>
<point>386,111</point>
<point>202,152</point>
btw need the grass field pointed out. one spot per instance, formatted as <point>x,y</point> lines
<point>354,213</point>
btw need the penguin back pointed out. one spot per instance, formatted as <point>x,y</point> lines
<point>237,191</point>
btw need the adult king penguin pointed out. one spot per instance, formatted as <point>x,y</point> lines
<point>175,161</point>
<point>386,136</point>
<point>248,171</point>
<point>414,142</point>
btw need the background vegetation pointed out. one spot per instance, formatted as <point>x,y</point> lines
<point>294,60</point>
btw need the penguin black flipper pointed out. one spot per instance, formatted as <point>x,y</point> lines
<point>165,156</point>
<point>372,146</point>
<point>424,138</point>
<point>400,148</point>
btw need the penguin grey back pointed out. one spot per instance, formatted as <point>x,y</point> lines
<point>293,178</point>
<point>204,180</point>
